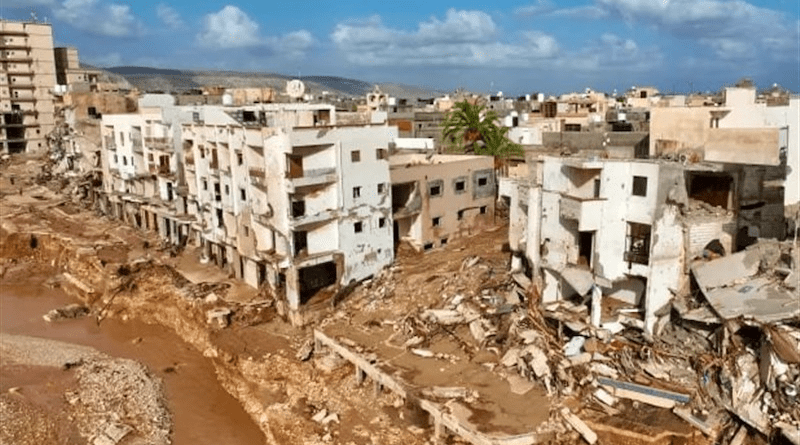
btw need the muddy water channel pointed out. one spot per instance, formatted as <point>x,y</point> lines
<point>203,413</point>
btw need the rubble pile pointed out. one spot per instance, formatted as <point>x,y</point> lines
<point>700,373</point>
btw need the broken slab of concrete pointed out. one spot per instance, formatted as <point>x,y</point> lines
<point>645,394</point>
<point>588,435</point>
<point>733,288</point>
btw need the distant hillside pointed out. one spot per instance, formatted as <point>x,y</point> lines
<point>170,80</point>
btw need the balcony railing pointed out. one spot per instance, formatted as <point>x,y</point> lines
<point>586,211</point>
<point>314,177</point>
<point>158,143</point>
<point>316,218</point>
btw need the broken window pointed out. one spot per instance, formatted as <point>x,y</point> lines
<point>227,189</point>
<point>482,182</point>
<point>246,231</point>
<point>243,194</point>
<point>239,158</point>
<point>461,185</point>
<point>381,222</point>
<point>220,220</point>
<point>217,192</point>
<point>249,116</point>
<point>381,188</point>
<point>639,186</point>
<point>428,246</point>
<point>460,215</point>
<point>714,189</point>
<point>358,227</point>
<point>436,222</point>
<point>355,156</point>
<point>356,192</point>
<point>572,127</point>
<point>443,242</point>
<point>298,208</point>
<point>381,153</point>
<point>205,184</point>
<point>300,242</point>
<point>637,242</point>
<point>483,210</point>
<point>435,189</point>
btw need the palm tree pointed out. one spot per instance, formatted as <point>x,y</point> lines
<point>470,128</point>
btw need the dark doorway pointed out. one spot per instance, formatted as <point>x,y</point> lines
<point>315,278</point>
<point>262,273</point>
<point>585,248</point>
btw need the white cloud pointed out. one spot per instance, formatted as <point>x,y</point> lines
<point>588,12</point>
<point>113,20</point>
<point>463,38</point>
<point>611,53</point>
<point>169,16</point>
<point>228,28</point>
<point>27,4</point>
<point>233,28</point>
<point>536,8</point>
<point>730,28</point>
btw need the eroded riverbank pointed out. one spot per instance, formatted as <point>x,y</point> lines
<point>203,412</point>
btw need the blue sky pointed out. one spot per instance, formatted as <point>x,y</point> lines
<point>514,46</point>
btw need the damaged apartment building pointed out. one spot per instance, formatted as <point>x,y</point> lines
<point>436,198</point>
<point>281,195</point>
<point>589,227</point>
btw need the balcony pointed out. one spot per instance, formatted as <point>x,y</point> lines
<point>587,211</point>
<point>299,222</point>
<point>258,177</point>
<point>163,144</point>
<point>313,177</point>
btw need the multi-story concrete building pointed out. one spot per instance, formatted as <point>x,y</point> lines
<point>27,78</point>
<point>742,131</point>
<point>278,194</point>
<point>625,229</point>
<point>70,73</point>
<point>437,198</point>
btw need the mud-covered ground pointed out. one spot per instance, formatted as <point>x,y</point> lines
<point>56,392</point>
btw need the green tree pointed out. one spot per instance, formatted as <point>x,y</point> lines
<point>471,128</point>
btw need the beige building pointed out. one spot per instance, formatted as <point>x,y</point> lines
<point>70,73</point>
<point>27,78</point>
<point>440,197</point>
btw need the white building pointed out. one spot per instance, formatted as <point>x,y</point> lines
<point>625,229</point>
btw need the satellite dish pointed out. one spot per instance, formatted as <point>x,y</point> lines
<point>295,89</point>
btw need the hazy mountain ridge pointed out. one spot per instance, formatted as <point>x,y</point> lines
<point>173,80</point>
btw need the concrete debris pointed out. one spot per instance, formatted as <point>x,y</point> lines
<point>112,434</point>
<point>67,312</point>
<point>320,415</point>
<point>574,346</point>
<point>588,435</point>
<point>645,394</point>
<point>603,396</point>
<point>219,316</point>
<point>305,351</point>
<point>423,353</point>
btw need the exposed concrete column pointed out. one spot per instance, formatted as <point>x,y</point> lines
<point>597,307</point>
<point>534,229</point>
<point>293,288</point>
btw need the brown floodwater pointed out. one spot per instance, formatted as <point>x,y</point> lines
<point>203,412</point>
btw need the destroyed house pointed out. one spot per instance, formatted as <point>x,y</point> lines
<point>625,230</point>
